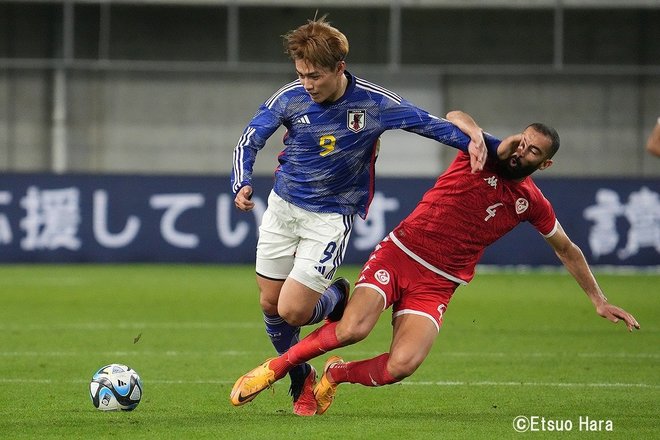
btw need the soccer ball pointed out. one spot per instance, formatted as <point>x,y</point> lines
<point>115,387</point>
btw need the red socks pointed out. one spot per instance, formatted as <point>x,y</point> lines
<point>321,340</point>
<point>371,372</point>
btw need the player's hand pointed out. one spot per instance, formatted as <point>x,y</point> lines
<point>508,146</point>
<point>478,153</point>
<point>242,199</point>
<point>614,314</point>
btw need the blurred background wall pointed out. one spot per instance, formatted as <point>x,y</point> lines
<point>167,86</point>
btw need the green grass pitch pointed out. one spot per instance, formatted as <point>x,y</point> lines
<point>512,344</point>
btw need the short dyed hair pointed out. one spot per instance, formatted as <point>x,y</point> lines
<point>317,43</point>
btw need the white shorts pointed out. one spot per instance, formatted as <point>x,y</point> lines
<point>306,246</point>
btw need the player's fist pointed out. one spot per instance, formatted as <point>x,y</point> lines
<point>478,153</point>
<point>242,199</point>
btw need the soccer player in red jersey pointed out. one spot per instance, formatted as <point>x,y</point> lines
<point>419,265</point>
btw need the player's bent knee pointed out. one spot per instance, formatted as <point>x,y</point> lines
<point>351,332</point>
<point>401,368</point>
<point>267,306</point>
<point>295,317</point>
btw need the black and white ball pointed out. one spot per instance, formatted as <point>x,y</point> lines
<point>115,387</point>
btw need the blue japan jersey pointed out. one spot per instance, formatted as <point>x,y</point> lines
<point>330,151</point>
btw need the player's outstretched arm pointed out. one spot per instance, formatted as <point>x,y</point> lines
<point>573,259</point>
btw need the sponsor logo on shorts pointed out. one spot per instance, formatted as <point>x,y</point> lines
<point>382,276</point>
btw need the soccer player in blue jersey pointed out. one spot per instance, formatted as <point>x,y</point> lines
<point>324,178</point>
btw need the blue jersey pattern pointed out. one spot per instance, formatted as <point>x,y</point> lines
<point>330,151</point>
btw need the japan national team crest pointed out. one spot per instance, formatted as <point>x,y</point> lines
<point>356,120</point>
<point>521,205</point>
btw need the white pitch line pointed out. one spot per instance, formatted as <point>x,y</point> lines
<point>127,353</point>
<point>406,383</point>
<point>87,326</point>
<point>176,353</point>
<point>534,384</point>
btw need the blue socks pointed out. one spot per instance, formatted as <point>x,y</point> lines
<point>326,304</point>
<point>283,336</point>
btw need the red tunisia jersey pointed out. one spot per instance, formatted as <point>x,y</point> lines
<point>463,213</point>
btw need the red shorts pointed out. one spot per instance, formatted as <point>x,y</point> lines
<point>406,285</point>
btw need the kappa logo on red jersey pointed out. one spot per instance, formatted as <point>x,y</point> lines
<point>356,120</point>
<point>492,181</point>
<point>382,276</point>
<point>521,205</point>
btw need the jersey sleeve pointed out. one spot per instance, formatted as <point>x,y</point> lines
<point>491,144</point>
<point>264,123</point>
<point>542,215</point>
<point>407,116</point>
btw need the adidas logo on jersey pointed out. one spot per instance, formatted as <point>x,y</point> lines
<point>303,120</point>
